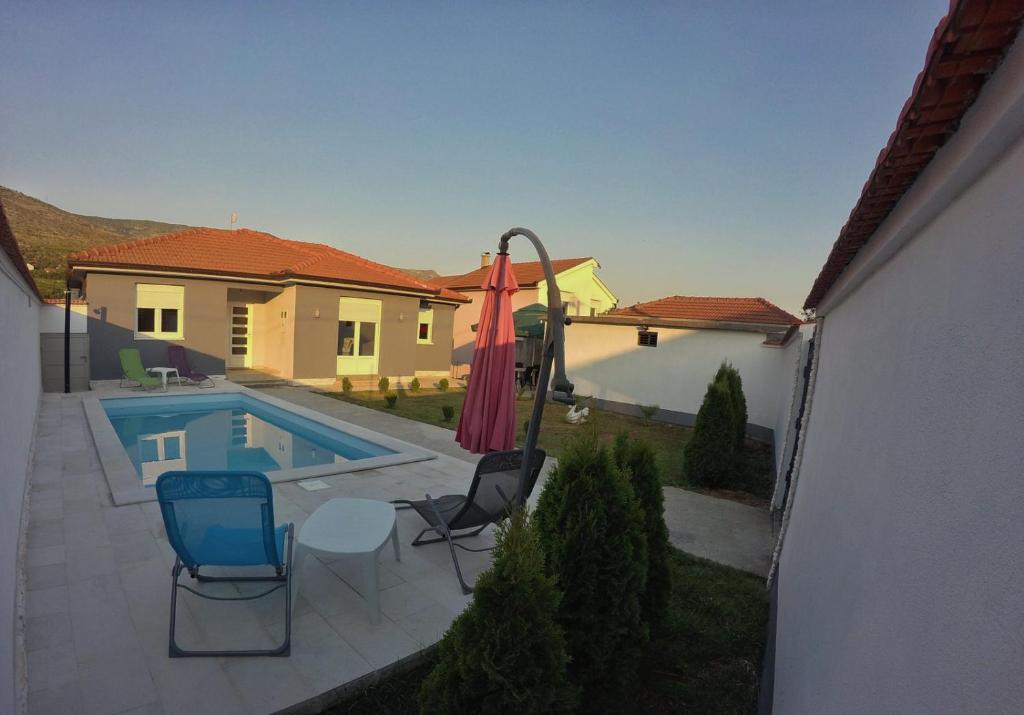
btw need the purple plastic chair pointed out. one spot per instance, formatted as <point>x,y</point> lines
<point>176,356</point>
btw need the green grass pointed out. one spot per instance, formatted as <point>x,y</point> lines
<point>707,658</point>
<point>753,484</point>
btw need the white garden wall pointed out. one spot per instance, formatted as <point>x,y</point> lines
<point>605,362</point>
<point>902,569</point>
<point>20,388</point>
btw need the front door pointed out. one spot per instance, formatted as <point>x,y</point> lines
<point>240,353</point>
<point>358,336</point>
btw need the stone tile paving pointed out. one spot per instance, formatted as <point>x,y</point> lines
<point>98,592</point>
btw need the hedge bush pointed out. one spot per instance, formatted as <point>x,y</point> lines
<point>346,385</point>
<point>447,412</point>
<point>732,378</point>
<point>383,384</point>
<point>391,399</point>
<point>591,529</point>
<point>414,384</point>
<point>442,384</point>
<point>637,460</point>
<point>710,456</point>
<point>505,653</point>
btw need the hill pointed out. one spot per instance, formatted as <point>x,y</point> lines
<point>47,234</point>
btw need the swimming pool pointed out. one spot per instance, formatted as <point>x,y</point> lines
<point>232,431</point>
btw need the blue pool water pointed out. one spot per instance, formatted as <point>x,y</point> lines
<point>161,434</point>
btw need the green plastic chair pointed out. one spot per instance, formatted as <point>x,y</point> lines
<point>133,371</point>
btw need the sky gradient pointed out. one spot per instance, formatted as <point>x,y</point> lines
<point>703,148</point>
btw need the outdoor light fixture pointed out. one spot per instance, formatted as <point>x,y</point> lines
<point>316,314</point>
<point>642,328</point>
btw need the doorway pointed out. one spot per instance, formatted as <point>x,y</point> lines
<point>240,349</point>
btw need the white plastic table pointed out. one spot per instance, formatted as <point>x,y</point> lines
<point>350,527</point>
<point>163,372</point>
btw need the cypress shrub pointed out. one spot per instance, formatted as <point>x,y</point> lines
<point>637,460</point>
<point>442,384</point>
<point>709,456</point>
<point>739,402</point>
<point>346,385</point>
<point>505,653</point>
<point>591,529</point>
<point>414,384</point>
<point>383,384</point>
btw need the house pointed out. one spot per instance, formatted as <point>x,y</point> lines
<point>305,312</point>
<point>900,567</point>
<point>583,293</point>
<point>664,352</point>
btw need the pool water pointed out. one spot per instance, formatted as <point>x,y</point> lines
<point>198,432</point>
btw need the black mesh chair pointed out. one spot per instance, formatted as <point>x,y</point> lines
<point>490,497</point>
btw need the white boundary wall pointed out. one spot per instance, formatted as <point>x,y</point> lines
<point>20,389</point>
<point>604,361</point>
<point>902,568</point>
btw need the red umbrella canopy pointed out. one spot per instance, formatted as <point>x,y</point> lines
<point>487,422</point>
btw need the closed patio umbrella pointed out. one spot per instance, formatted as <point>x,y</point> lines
<point>487,422</point>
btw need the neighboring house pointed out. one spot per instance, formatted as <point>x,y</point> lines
<point>665,352</point>
<point>244,299</point>
<point>901,566</point>
<point>583,293</point>
<point>20,387</point>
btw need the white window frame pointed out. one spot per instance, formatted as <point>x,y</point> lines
<point>426,315</point>
<point>160,297</point>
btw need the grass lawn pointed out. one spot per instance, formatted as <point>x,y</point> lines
<point>706,660</point>
<point>753,484</point>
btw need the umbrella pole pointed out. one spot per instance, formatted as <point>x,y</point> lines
<point>553,356</point>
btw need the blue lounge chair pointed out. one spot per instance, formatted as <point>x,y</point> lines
<point>225,519</point>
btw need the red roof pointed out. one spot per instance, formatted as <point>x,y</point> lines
<point>967,46</point>
<point>732,310</point>
<point>10,247</point>
<point>244,252</point>
<point>528,273</point>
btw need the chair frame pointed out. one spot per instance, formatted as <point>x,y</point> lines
<point>184,359</point>
<point>282,577</point>
<point>125,378</point>
<point>445,532</point>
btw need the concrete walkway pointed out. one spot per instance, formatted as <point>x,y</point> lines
<point>721,530</point>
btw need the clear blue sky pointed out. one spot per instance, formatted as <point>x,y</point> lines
<point>702,148</point>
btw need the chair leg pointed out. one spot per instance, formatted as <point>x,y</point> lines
<point>284,649</point>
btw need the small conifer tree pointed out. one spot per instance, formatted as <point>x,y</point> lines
<point>592,531</point>
<point>709,456</point>
<point>505,653</point>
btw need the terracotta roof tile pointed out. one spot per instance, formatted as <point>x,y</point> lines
<point>528,273</point>
<point>967,46</point>
<point>244,252</point>
<point>737,310</point>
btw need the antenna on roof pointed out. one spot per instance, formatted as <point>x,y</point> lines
<point>234,218</point>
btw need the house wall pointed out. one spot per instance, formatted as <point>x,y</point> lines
<point>316,339</point>
<point>112,324</point>
<point>273,334</point>
<point>20,386</point>
<point>437,357</point>
<point>604,361</point>
<point>581,289</point>
<point>902,568</point>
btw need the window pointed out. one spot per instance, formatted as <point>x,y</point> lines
<point>647,339</point>
<point>357,334</point>
<point>367,335</point>
<point>158,311</point>
<point>426,326</point>
<point>346,337</point>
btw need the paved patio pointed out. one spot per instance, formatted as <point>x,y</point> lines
<point>98,587</point>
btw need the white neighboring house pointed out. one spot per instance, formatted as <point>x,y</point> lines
<point>583,293</point>
<point>665,352</point>
<point>901,569</point>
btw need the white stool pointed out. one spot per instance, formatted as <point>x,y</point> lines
<point>349,527</point>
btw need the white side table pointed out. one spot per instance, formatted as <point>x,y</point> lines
<point>163,372</point>
<point>350,527</point>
